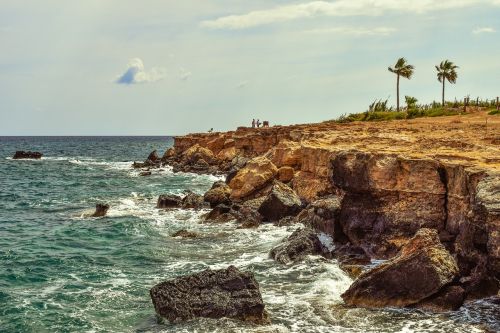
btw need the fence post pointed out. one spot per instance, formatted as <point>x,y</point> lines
<point>465,104</point>
<point>498,105</point>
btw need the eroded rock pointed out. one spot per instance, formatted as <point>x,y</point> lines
<point>256,174</point>
<point>20,154</point>
<point>101,210</point>
<point>282,201</point>
<point>169,201</point>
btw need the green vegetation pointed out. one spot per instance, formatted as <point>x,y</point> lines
<point>494,112</point>
<point>402,68</point>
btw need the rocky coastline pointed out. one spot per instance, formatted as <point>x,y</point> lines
<point>422,196</point>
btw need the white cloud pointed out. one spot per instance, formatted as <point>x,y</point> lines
<point>336,8</point>
<point>483,30</point>
<point>184,74</point>
<point>242,84</point>
<point>354,31</point>
<point>135,73</point>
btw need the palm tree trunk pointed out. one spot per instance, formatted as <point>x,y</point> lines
<point>397,89</point>
<point>443,92</point>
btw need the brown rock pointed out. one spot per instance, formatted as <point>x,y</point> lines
<point>27,154</point>
<point>450,298</point>
<point>100,210</point>
<point>300,243</point>
<point>256,174</point>
<point>167,201</point>
<point>419,271</point>
<point>218,195</point>
<point>285,174</point>
<point>185,234</point>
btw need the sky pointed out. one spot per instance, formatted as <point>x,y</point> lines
<point>165,67</point>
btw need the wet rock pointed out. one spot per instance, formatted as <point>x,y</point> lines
<point>197,154</point>
<point>450,298</point>
<point>100,210</point>
<point>185,234</point>
<point>193,201</point>
<point>169,153</point>
<point>211,294</point>
<point>20,154</point>
<point>281,202</point>
<point>218,195</point>
<point>169,201</point>
<point>145,173</point>
<point>220,214</point>
<point>256,174</point>
<point>300,243</point>
<point>420,270</point>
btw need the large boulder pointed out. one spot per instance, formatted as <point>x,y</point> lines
<point>196,154</point>
<point>169,201</point>
<point>323,215</point>
<point>218,194</point>
<point>257,173</point>
<point>450,298</point>
<point>282,201</point>
<point>153,157</point>
<point>100,210</point>
<point>419,271</point>
<point>27,154</point>
<point>300,243</point>
<point>211,294</point>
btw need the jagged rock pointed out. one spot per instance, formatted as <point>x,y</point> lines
<point>218,195</point>
<point>450,298</point>
<point>323,215</point>
<point>300,243</point>
<point>169,201</point>
<point>419,271</point>
<point>169,153</point>
<point>185,234</point>
<point>100,210</point>
<point>281,202</point>
<point>197,154</point>
<point>220,214</point>
<point>211,294</point>
<point>153,157</point>
<point>27,154</point>
<point>256,174</point>
<point>193,200</point>
<point>285,174</point>
<point>287,153</point>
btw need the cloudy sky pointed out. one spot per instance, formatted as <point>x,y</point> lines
<point>161,67</point>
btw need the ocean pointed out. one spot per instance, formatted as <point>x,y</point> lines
<point>61,271</point>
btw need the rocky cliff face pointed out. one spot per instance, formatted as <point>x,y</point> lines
<point>388,180</point>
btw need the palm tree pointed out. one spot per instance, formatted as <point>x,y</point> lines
<point>446,71</point>
<point>402,68</point>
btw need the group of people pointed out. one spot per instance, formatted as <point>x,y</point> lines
<point>257,123</point>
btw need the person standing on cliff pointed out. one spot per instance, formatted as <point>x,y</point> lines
<point>253,123</point>
<point>258,123</point>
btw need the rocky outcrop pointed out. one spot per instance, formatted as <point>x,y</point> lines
<point>193,201</point>
<point>281,202</point>
<point>300,243</point>
<point>323,215</point>
<point>101,210</point>
<point>256,174</point>
<point>450,298</point>
<point>211,294</point>
<point>20,154</point>
<point>420,270</point>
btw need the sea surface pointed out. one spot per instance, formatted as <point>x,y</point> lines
<point>61,271</point>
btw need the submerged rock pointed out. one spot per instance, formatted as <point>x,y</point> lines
<point>27,154</point>
<point>281,202</point>
<point>145,173</point>
<point>449,298</point>
<point>193,200</point>
<point>100,210</point>
<point>211,294</point>
<point>185,234</point>
<point>300,243</point>
<point>419,271</point>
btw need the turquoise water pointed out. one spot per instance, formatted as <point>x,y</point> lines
<point>61,271</point>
